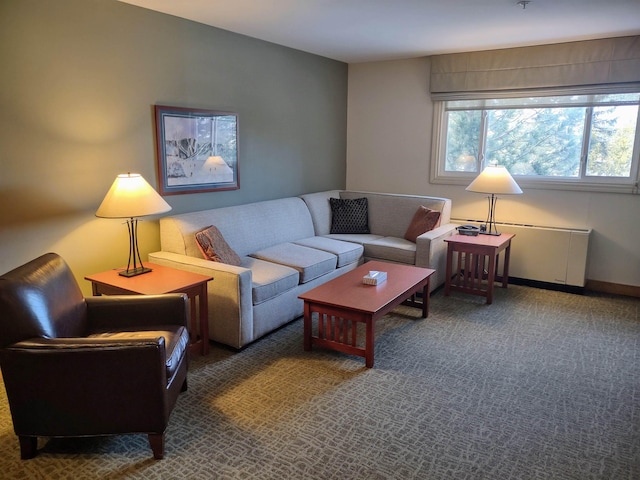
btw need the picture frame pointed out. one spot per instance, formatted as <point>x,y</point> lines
<point>196,150</point>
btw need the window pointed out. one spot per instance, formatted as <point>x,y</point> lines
<point>586,141</point>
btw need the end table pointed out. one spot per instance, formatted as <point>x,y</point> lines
<point>479,252</point>
<point>163,280</point>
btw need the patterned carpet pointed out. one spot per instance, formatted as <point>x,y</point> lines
<point>539,385</point>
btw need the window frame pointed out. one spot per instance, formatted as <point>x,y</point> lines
<point>582,183</point>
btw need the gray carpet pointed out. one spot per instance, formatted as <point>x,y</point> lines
<point>539,385</point>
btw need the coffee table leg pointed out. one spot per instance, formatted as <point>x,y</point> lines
<point>307,326</point>
<point>368,344</point>
<point>425,300</point>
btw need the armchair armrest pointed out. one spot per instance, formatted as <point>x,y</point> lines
<point>116,312</point>
<point>79,343</point>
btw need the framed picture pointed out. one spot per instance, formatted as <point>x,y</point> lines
<point>196,150</point>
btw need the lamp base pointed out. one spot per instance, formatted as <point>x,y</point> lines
<point>133,272</point>
<point>490,227</point>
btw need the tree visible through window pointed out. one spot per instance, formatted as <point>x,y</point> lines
<point>575,137</point>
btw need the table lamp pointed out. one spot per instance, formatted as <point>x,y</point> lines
<point>130,197</point>
<point>495,180</point>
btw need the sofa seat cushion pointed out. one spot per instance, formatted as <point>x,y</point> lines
<point>309,262</point>
<point>176,340</point>
<point>392,249</point>
<point>268,279</point>
<point>347,252</point>
<point>360,238</point>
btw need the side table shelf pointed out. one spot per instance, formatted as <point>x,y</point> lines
<point>159,281</point>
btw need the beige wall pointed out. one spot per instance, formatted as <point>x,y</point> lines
<point>79,81</point>
<point>389,150</point>
<point>79,78</point>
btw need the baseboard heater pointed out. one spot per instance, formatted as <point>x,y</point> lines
<point>546,255</point>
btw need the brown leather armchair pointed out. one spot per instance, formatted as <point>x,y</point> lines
<point>75,366</point>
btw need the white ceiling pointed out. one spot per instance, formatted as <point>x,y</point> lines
<point>371,30</point>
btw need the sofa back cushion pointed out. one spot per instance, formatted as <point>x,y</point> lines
<point>391,214</point>
<point>318,205</point>
<point>246,228</point>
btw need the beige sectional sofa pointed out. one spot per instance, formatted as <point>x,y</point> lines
<point>286,248</point>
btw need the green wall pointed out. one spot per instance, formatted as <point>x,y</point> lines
<point>79,81</point>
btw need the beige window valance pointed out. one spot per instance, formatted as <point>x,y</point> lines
<point>590,62</point>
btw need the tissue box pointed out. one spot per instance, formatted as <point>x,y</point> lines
<point>374,278</point>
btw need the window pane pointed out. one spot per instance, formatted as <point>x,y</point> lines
<point>536,141</point>
<point>463,141</point>
<point>545,101</point>
<point>611,145</point>
<point>552,138</point>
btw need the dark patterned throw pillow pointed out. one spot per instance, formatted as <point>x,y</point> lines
<point>349,215</point>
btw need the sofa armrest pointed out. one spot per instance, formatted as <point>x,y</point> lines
<point>431,251</point>
<point>230,295</point>
<point>114,312</point>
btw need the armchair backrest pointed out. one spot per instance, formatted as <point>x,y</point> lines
<point>41,299</point>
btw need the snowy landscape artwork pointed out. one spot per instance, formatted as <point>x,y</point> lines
<point>197,150</point>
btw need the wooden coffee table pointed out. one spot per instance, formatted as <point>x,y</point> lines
<point>344,302</point>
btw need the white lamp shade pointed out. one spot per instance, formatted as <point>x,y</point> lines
<point>216,161</point>
<point>131,196</point>
<point>495,179</point>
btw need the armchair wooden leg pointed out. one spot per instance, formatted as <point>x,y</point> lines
<point>184,386</point>
<point>156,440</point>
<point>28,447</point>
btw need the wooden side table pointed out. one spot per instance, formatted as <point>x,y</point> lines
<point>481,254</point>
<point>163,280</point>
